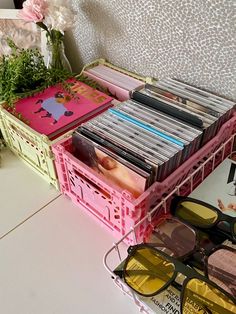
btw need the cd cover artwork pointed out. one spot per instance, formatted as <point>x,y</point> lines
<point>109,167</point>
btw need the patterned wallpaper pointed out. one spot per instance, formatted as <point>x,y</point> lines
<point>192,40</point>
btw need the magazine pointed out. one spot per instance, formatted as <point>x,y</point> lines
<point>219,188</point>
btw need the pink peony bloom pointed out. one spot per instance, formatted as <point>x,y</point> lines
<point>33,10</point>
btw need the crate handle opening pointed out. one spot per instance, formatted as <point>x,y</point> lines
<point>99,189</point>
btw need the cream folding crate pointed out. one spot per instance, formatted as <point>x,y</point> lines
<point>49,116</point>
<point>31,146</point>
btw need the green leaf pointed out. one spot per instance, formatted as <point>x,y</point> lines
<point>23,73</point>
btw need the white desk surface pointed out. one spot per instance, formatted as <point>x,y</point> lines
<point>22,192</point>
<point>51,251</point>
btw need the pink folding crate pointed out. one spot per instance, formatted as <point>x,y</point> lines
<point>117,92</point>
<point>116,208</point>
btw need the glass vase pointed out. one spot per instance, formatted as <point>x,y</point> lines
<point>56,57</point>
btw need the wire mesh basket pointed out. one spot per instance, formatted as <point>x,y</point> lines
<point>118,252</point>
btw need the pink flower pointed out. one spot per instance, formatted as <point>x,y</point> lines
<point>33,10</point>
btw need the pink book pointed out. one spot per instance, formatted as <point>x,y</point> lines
<point>56,111</point>
<point>115,77</point>
<point>114,90</point>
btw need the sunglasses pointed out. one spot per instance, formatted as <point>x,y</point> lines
<point>196,248</point>
<point>149,271</point>
<point>203,215</point>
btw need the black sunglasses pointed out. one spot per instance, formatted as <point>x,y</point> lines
<point>203,215</point>
<point>195,248</point>
<point>149,271</point>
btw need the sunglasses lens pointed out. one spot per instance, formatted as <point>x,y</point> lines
<point>196,214</point>
<point>173,237</point>
<point>147,272</point>
<point>222,269</point>
<point>201,297</point>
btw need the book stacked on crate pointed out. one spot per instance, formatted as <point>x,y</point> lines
<point>116,81</point>
<point>62,107</point>
<point>121,163</point>
<point>49,115</point>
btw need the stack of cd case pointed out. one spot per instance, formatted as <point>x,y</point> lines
<point>192,105</point>
<point>144,139</point>
<point>135,144</point>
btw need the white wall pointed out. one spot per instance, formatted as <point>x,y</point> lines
<point>6,4</point>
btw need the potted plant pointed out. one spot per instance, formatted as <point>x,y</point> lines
<point>22,73</point>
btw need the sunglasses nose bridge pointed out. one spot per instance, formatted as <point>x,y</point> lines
<point>130,249</point>
<point>179,278</point>
<point>202,251</point>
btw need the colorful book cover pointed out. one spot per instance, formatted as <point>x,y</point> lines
<point>57,110</point>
